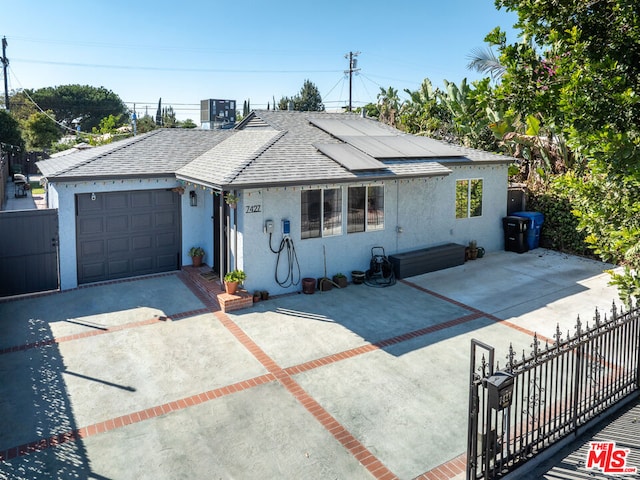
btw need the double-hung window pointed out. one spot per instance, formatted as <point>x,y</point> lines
<point>469,198</point>
<point>321,213</point>
<point>366,208</point>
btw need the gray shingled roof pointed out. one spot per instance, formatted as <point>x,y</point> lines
<point>267,148</point>
<point>157,153</point>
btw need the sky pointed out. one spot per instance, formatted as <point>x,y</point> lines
<point>255,50</point>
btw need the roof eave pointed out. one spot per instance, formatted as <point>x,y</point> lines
<point>72,179</point>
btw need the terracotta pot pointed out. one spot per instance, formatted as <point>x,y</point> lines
<point>197,260</point>
<point>324,284</point>
<point>340,281</point>
<point>264,295</point>
<point>231,287</point>
<point>308,286</point>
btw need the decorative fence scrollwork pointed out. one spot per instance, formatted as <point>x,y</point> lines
<point>550,392</point>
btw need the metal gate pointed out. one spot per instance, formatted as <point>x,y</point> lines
<point>28,251</point>
<point>517,412</point>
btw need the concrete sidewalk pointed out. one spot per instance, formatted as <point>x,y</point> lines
<point>146,379</point>
<point>28,202</point>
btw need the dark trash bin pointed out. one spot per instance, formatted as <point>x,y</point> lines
<point>536,219</point>
<point>515,231</point>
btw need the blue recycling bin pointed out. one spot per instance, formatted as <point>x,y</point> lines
<point>536,219</point>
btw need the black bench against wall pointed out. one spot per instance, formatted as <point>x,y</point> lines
<point>427,260</point>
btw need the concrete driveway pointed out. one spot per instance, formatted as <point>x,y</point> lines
<point>148,379</point>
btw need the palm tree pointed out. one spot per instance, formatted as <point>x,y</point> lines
<point>389,105</point>
<point>483,60</point>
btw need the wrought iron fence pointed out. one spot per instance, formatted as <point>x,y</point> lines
<point>538,399</point>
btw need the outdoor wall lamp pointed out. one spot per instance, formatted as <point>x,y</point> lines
<point>193,198</point>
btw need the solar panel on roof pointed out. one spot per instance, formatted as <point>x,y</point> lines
<point>335,127</point>
<point>349,157</point>
<point>380,142</point>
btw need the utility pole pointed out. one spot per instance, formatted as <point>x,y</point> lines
<point>5,65</point>
<point>353,63</point>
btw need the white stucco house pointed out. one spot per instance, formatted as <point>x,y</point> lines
<point>325,186</point>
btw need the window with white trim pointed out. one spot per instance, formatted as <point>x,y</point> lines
<point>469,198</point>
<point>366,208</point>
<point>321,213</point>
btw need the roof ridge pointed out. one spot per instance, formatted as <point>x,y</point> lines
<point>277,136</point>
<point>133,140</point>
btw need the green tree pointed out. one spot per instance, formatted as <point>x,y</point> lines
<point>21,106</point>
<point>41,131</point>
<point>308,100</point>
<point>146,124</point>
<point>188,123</point>
<point>79,103</point>
<point>586,83</point>
<point>10,130</point>
<point>388,106</point>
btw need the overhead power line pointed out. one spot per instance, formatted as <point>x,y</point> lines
<point>166,69</point>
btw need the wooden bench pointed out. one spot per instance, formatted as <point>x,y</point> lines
<point>427,260</point>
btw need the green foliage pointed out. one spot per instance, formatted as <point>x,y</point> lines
<point>82,103</point>
<point>308,100</point>
<point>388,106</point>
<point>41,131</point>
<point>188,123</point>
<point>196,252</point>
<point>10,130</point>
<point>561,227</point>
<point>235,276</point>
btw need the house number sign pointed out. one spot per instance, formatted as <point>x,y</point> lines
<point>253,208</point>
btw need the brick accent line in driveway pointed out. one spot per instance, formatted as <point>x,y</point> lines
<point>339,432</point>
<point>506,323</point>
<point>135,417</point>
<point>101,331</point>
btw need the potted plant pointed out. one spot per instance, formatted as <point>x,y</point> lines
<point>196,254</point>
<point>232,279</point>
<point>257,295</point>
<point>473,250</point>
<point>231,199</point>
<point>340,279</point>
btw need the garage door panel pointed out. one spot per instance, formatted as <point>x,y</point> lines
<point>92,248</point>
<point>119,268</point>
<point>165,240</point>
<point>118,245</point>
<point>164,198</point>
<point>143,264</point>
<point>142,242</point>
<point>93,272</point>
<point>86,204</point>
<point>141,199</point>
<point>124,234</point>
<point>118,224</point>
<point>165,219</point>
<point>141,221</point>
<point>116,200</point>
<point>88,226</point>
<point>167,262</point>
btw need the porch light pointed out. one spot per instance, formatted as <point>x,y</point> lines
<point>193,198</point>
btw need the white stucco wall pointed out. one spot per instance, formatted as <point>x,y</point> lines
<point>197,224</point>
<point>64,195</point>
<point>424,209</point>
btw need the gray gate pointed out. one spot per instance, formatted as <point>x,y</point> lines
<point>517,412</point>
<point>28,251</point>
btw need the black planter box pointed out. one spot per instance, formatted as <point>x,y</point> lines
<point>427,260</point>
